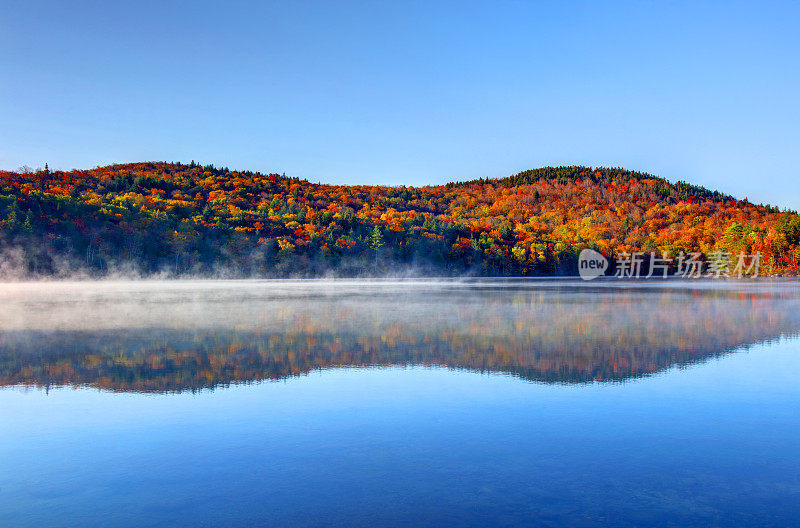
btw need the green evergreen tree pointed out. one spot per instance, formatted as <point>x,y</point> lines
<point>376,242</point>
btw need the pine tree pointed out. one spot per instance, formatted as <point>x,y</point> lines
<point>376,242</point>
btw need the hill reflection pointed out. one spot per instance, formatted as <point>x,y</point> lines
<point>157,338</point>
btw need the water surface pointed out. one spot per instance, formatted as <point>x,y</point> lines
<point>416,403</point>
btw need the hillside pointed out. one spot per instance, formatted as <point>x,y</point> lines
<point>178,219</point>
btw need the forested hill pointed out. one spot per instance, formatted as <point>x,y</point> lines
<point>179,219</point>
<point>672,192</point>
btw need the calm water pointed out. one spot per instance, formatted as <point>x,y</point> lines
<point>485,403</point>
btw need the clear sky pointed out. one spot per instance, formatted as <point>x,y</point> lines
<point>409,92</point>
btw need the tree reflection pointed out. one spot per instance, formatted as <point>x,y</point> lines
<point>553,335</point>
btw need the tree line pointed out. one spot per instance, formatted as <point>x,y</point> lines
<point>180,219</point>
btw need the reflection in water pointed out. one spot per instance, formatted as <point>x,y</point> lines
<point>166,337</point>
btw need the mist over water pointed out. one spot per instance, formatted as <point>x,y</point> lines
<point>399,402</point>
<point>171,336</point>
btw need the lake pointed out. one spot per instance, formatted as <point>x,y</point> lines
<point>400,403</point>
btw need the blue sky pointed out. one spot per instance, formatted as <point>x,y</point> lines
<point>408,92</point>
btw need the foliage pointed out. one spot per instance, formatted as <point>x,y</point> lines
<point>182,219</point>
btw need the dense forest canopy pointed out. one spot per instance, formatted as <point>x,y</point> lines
<point>178,219</point>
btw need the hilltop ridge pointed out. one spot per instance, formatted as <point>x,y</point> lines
<point>178,219</point>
